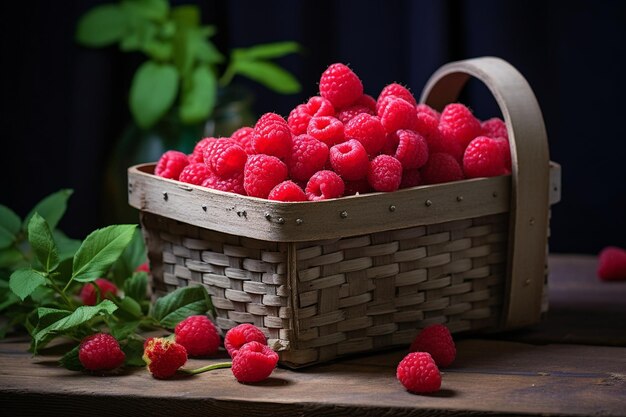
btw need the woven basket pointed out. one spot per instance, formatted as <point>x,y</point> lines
<point>363,273</point>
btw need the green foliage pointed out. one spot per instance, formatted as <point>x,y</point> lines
<point>183,65</point>
<point>169,310</point>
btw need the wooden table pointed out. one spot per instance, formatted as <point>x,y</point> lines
<point>573,363</point>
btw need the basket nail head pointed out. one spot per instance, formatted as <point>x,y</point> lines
<point>204,207</point>
<point>527,282</point>
<point>242,214</point>
<point>531,221</point>
<point>165,196</point>
<point>299,221</point>
<point>428,203</point>
<point>459,198</point>
<point>280,220</point>
<point>392,208</point>
<point>495,194</point>
<point>267,216</point>
<point>343,214</point>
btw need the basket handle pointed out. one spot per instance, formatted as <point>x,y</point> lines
<point>528,224</point>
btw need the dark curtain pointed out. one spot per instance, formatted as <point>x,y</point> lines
<point>63,106</point>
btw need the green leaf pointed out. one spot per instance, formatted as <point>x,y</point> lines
<point>52,208</point>
<point>133,256</point>
<point>198,95</point>
<point>42,243</point>
<point>24,281</point>
<point>100,250</point>
<point>10,224</point>
<point>71,361</point>
<point>266,51</point>
<point>149,9</point>
<point>103,25</point>
<point>7,300</point>
<point>122,329</point>
<point>136,286</point>
<point>152,93</point>
<point>186,15</point>
<point>66,246</point>
<point>129,309</point>
<point>11,258</point>
<point>133,349</point>
<point>270,75</point>
<point>174,307</point>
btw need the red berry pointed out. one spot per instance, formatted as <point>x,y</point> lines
<point>427,125</point>
<point>89,295</point>
<point>195,173</point>
<point>396,113</point>
<point>243,136</point>
<point>224,156</point>
<point>412,149</point>
<point>494,128</point>
<point>144,267</point>
<point>395,90</point>
<point>272,136</point>
<point>385,173</point>
<point>254,362</point>
<point>441,167</point>
<point>231,183</point>
<point>300,116</point>
<point>425,108</point>
<point>410,178</point>
<point>484,157</point>
<point>307,156</point>
<point>100,352</point>
<point>287,191</point>
<point>241,334</point>
<point>197,156</point>
<point>324,185</point>
<point>163,357</point>
<point>198,335</point>
<point>349,113</point>
<point>612,264</point>
<point>367,101</point>
<point>349,159</point>
<point>436,340</point>
<point>340,86</point>
<point>262,173</point>
<point>170,164</point>
<point>326,129</point>
<point>368,130</point>
<point>418,373</point>
<point>458,124</point>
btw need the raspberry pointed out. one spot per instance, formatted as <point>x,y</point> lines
<point>163,356</point>
<point>170,164</point>
<point>144,267</point>
<point>349,113</point>
<point>349,159</point>
<point>458,124</point>
<point>367,101</point>
<point>441,167</point>
<point>224,156</point>
<point>385,173</point>
<point>300,116</point>
<point>412,149</point>
<point>340,86</point>
<point>243,136</point>
<point>197,156</point>
<point>231,183</point>
<point>396,113</point>
<point>287,191</point>
<point>195,173</point>
<point>272,136</point>
<point>240,335</point>
<point>326,129</point>
<point>254,362</point>
<point>307,156</point>
<point>198,335</point>
<point>357,187</point>
<point>439,142</point>
<point>324,185</point>
<point>262,173</point>
<point>100,352</point>
<point>484,157</point>
<point>436,340</point>
<point>425,108</point>
<point>89,295</point>
<point>368,130</point>
<point>612,264</point>
<point>418,373</point>
<point>427,125</point>
<point>395,90</point>
<point>494,128</point>
<point>410,178</point>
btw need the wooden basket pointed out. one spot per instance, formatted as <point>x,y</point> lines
<point>362,273</point>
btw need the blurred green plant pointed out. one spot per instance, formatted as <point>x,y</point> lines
<point>184,69</point>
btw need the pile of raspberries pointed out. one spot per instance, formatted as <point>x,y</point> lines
<point>344,142</point>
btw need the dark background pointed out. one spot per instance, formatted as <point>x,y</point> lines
<point>63,106</point>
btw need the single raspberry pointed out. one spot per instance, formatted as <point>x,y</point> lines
<point>243,136</point>
<point>324,185</point>
<point>410,178</point>
<point>412,149</point>
<point>224,156</point>
<point>198,335</point>
<point>254,362</point>
<point>340,86</point>
<point>241,334</point>
<point>89,294</point>
<point>418,373</point>
<point>367,101</point>
<point>440,142</point>
<point>301,115</point>
<point>505,149</point>
<point>164,357</point>
<point>484,157</point>
<point>144,267</point>
<point>272,136</point>
<point>355,187</point>
<point>307,156</point>
<point>349,159</point>
<point>170,164</point>
<point>396,113</point>
<point>368,130</point>
<point>349,113</point>
<point>197,156</point>
<point>395,90</point>
<point>385,173</point>
<point>231,183</point>
<point>427,125</point>
<point>287,191</point>
<point>458,124</point>
<point>436,340</point>
<point>612,264</point>
<point>262,173</point>
<point>195,173</point>
<point>494,128</point>
<point>100,352</point>
<point>441,167</point>
<point>425,108</point>
<point>326,129</point>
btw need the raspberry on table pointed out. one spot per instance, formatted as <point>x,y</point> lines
<point>494,128</point>
<point>195,173</point>
<point>396,113</point>
<point>440,168</point>
<point>272,135</point>
<point>324,185</point>
<point>241,334</point>
<point>418,373</point>
<point>224,156</point>
<point>485,157</point>
<point>436,340</point>
<point>287,191</point>
<point>327,129</point>
<point>231,183</point>
<point>197,156</point>
<point>254,362</point>
<point>307,156</point>
<point>412,149</point>
<point>457,123</point>
<point>163,356</point>
<point>89,293</point>
<point>349,159</point>
<point>396,90</point>
<point>170,164</point>
<point>262,173</point>
<point>612,264</point>
<point>368,130</point>
<point>198,335</point>
<point>243,136</point>
<point>410,178</point>
<point>100,352</point>
<point>340,86</point>
<point>385,173</point>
